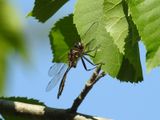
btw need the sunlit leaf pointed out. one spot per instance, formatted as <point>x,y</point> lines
<point>87,13</point>
<point>146,15</point>
<point>115,22</point>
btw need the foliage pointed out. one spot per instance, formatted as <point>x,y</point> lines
<point>11,37</point>
<point>64,34</point>
<point>114,28</point>
<point>131,66</point>
<point>101,37</point>
<point>44,9</point>
<point>146,16</point>
<point>23,99</point>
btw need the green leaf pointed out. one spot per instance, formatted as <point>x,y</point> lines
<point>3,65</point>
<point>6,117</point>
<point>11,117</point>
<point>11,38</point>
<point>2,73</point>
<point>146,15</point>
<point>44,9</point>
<point>63,36</point>
<point>19,99</point>
<point>131,70</point>
<point>87,13</point>
<point>23,99</point>
<point>115,22</point>
<point>11,29</point>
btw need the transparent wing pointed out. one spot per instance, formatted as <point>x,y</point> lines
<point>57,75</point>
<point>53,82</point>
<point>56,68</point>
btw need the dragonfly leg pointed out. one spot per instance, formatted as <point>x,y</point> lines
<point>89,51</point>
<point>84,64</point>
<point>88,61</point>
<point>92,56</point>
<point>91,62</point>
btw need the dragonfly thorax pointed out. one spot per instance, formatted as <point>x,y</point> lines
<point>75,53</point>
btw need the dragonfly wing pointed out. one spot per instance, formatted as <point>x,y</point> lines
<point>56,69</point>
<point>56,76</point>
<point>53,82</point>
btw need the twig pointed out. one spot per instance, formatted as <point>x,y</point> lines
<point>39,112</point>
<point>94,78</point>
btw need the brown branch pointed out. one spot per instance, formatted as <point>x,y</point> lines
<point>94,78</point>
<point>39,112</point>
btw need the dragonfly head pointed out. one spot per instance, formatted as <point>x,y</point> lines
<point>79,46</point>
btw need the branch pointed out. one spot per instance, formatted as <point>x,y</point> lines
<point>94,78</point>
<point>39,112</point>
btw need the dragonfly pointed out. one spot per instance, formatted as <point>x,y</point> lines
<point>59,71</point>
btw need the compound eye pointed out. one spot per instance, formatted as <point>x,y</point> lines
<point>75,45</point>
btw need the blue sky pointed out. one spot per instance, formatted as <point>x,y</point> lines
<point>109,98</point>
